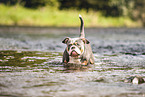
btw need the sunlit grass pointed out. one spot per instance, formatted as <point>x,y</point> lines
<point>18,15</point>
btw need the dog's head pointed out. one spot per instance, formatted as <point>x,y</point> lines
<point>75,46</point>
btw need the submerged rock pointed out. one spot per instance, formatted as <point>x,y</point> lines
<point>135,80</point>
<point>138,80</point>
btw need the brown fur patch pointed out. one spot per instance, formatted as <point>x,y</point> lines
<point>91,61</point>
<point>85,63</point>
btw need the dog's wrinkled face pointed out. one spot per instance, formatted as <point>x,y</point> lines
<point>75,46</point>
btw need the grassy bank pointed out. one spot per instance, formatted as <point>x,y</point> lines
<point>17,15</point>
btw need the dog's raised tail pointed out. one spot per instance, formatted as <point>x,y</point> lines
<point>82,34</point>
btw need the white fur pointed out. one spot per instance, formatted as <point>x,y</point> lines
<point>76,48</point>
<point>74,60</point>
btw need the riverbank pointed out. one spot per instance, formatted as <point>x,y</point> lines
<point>20,16</point>
<point>61,30</point>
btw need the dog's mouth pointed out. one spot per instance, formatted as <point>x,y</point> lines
<point>74,54</point>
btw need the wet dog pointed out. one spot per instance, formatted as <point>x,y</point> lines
<point>78,50</point>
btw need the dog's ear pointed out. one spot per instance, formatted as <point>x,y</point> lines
<point>66,40</point>
<point>85,41</point>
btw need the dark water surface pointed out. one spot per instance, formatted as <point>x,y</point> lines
<point>30,63</point>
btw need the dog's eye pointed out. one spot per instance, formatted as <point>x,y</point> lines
<point>76,44</point>
<point>70,45</point>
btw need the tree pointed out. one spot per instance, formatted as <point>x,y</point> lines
<point>9,2</point>
<point>137,11</point>
<point>32,3</point>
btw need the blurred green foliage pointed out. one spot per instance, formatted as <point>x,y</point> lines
<point>32,3</point>
<point>109,8</point>
<point>137,11</point>
<point>40,3</point>
<point>46,16</point>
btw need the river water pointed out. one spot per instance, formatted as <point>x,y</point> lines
<point>30,63</point>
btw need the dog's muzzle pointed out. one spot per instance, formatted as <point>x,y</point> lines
<point>74,54</point>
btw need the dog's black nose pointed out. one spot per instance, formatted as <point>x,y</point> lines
<point>73,47</point>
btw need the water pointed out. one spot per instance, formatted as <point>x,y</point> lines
<point>30,63</point>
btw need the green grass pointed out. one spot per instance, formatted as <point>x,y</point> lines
<point>47,16</point>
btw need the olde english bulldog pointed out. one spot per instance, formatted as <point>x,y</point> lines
<point>78,50</point>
